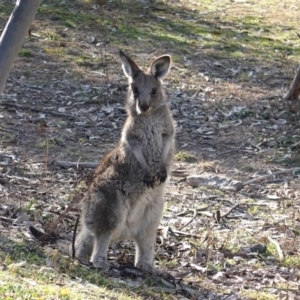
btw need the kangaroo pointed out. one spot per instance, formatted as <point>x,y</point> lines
<point>125,196</point>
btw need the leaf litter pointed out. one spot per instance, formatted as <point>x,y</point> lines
<point>213,242</point>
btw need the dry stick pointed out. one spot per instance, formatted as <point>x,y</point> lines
<point>191,220</point>
<point>183,213</point>
<point>25,107</point>
<point>46,156</point>
<point>28,180</point>
<point>230,210</point>
<point>54,224</point>
<point>69,164</point>
<point>185,233</point>
<point>229,151</point>
<point>270,175</point>
<point>177,173</point>
<point>74,237</point>
<point>5,219</point>
<point>279,251</point>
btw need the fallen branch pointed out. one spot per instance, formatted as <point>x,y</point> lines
<point>70,164</point>
<point>270,175</point>
<point>32,108</point>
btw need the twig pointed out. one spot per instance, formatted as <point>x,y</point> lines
<point>183,213</point>
<point>5,219</point>
<point>276,181</point>
<point>270,175</point>
<point>279,251</point>
<point>186,233</point>
<point>69,164</point>
<point>28,180</point>
<point>295,145</point>
<point>74,237</point>
<point>31,108</point>
<point>11,156</point>
<point>211,197</point>
<point>230,210</point>
<point>75,200</point>
<point>229,151</point>
<point>191,220</point>
<point>178,173</point>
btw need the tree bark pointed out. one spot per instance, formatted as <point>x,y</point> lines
<point>294,90</point>
<point>14,34</point>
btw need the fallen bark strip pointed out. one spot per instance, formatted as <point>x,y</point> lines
<point>279,251</point>
<point>32,108</point>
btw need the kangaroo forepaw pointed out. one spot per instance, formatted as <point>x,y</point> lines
<point>161,175</point>
<point>149,180</point>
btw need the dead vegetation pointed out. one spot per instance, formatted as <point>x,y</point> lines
<point>233,63</point>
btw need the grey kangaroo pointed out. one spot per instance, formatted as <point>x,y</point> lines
<point>125,197</point>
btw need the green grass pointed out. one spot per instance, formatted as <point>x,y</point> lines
<point>185,156</point>
<point>238,36</point>
<point>25,53</point>
<point>258,295</point>
<point>25,275</point>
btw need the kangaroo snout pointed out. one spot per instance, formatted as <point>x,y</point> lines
<point>144,107</point>
<point>143,102</point>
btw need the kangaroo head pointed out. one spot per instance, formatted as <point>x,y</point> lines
<point>145,89</point>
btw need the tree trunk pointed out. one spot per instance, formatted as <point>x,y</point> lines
<point>294,89</point>
<point>14,34</point>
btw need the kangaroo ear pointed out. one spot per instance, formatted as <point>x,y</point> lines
<point>161,66</point>
<point>129,66</point>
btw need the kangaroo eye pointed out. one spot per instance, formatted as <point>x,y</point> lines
<point>153,92</point>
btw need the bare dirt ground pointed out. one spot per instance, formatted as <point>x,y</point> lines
<point>64,102</point>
